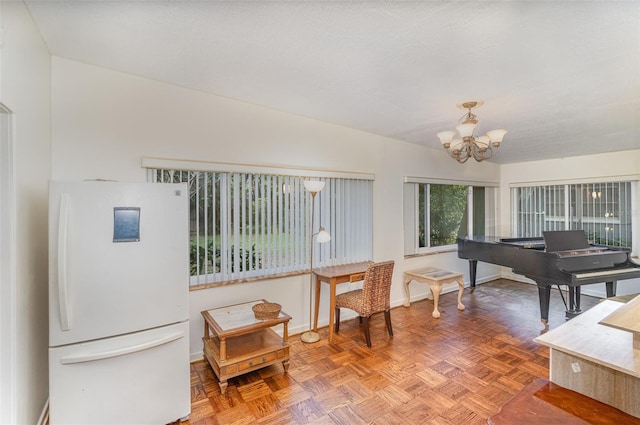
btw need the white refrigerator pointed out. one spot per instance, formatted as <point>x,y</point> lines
<point>118,303</point>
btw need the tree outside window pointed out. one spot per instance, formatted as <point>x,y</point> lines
<point>443,215</point>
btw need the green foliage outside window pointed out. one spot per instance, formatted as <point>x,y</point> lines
<point>447,213</point>
<point>448,209</point>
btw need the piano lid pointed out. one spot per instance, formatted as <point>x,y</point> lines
<point>565,240</point>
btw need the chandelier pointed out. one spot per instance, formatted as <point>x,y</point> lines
<point>468,145</point>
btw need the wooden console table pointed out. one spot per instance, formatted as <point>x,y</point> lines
<point>596,360</point>
<point>235,342</point>
<point>435,278</point>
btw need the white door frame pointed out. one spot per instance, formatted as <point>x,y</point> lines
<point>8,299</point>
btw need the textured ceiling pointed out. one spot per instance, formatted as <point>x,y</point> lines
<point>563,77</point>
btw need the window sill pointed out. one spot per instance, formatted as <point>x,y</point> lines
<point>435,251</point>
<point>238,281</point>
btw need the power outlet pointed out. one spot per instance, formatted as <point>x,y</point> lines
<point>575,366</point>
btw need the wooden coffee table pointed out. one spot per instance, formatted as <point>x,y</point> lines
<point>435,278</point>
<point>235,342</point>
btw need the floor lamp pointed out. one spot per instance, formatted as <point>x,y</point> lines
<point>313,186</point>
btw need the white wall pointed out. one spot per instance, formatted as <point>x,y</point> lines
<point>624,165</point>
<point>104,122</point>
<point>25,89</point>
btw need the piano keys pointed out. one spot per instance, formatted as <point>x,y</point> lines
<point>558,258</point>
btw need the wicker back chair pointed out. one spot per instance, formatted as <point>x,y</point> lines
<point>372,298</point>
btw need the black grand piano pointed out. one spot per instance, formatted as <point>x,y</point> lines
<point>558,258</point>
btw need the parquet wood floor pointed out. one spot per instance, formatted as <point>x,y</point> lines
<point>458,369</point>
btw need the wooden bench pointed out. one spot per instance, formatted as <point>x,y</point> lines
<point>543,402</point>
<point>435,278</point>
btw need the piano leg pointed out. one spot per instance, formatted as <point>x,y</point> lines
<point>544,294</point>
<point>611,289</point>
<point>574,302</point>
<point>473,268</point>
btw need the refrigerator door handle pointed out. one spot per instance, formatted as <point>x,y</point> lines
<point>62,263</point>
<point>102,355</point>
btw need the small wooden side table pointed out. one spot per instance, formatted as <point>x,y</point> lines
<point>435,278</point>
<point>235,342</point>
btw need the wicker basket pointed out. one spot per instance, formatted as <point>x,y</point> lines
<point>266,310</point>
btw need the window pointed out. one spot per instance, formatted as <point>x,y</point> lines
<point>437,213</point>
<point>252,225</point>
<point>602,210</point>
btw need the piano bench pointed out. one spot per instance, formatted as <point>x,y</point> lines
<point>543,402</point>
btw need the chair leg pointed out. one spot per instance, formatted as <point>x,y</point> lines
<point>387,320</point>
<point>336,326</point>
<point>367,336</point>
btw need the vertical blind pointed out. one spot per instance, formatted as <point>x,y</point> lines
<point>602,210</point>
<point>247,225</point>
<point>538,209</point>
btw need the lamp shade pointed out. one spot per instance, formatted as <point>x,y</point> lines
<point>323,236</point>
<point>466,130</point>
<point>456,145</point>
<point>496,136</point>
<point>313,186</point>
<point>482,142</point>
<point>446,136</point>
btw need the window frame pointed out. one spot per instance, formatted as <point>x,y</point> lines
<point>411,215</point>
